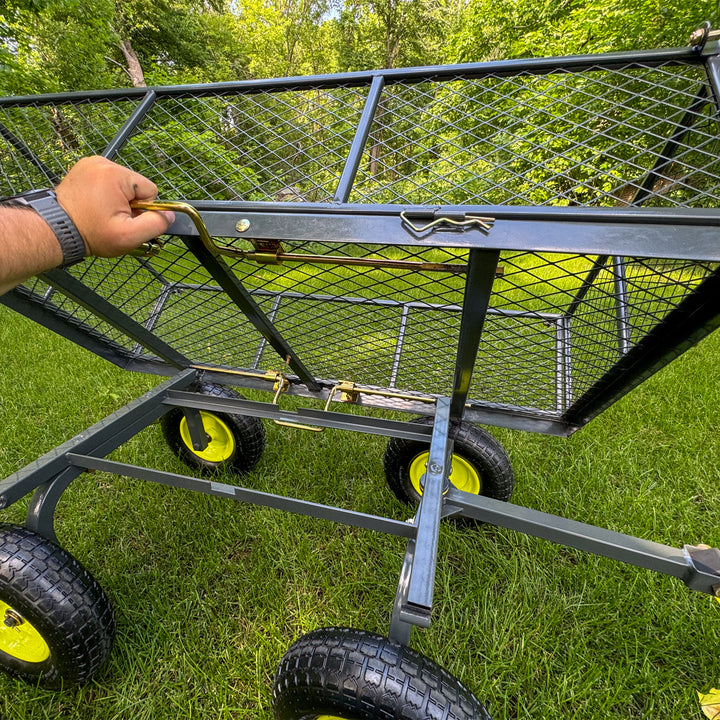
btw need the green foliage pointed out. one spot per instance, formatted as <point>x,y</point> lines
<point>50,45</point>
<point>393,33</point>
<point>495,29</point>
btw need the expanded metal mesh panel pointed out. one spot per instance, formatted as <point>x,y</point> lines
<point>566,138</point>
<point>277,146</point>
<point>39,143</point>
<point>379,312</point>
<point>632,134</point>
<point>623,304</point>
<point>66,308</point>
<point>518,364</point>
<point>556,323</point>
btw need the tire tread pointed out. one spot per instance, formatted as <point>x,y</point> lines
<point>367,677</point>
<point>471,442</point>
<point>60,597</point>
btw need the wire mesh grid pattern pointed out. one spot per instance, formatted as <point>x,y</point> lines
<point>39,142</point>
<point>605,136</point>
<point>556,323</point>
<point>561,139</point>
<point>615,135</point>
<point>282,146</point>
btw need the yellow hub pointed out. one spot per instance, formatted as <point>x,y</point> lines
<point>462,474</point>
<point>221,443</point>
<point>19,638</point>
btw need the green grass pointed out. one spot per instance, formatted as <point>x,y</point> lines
<point>209,593</point>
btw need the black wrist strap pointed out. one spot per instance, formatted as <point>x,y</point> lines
<point>47,207</point>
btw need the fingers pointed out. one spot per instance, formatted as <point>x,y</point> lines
<point>146,225</point>
<point>97,194</point>
<point>140,188</point>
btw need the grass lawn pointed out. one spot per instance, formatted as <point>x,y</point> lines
<point>209,594</point>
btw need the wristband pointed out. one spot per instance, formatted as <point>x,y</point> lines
<point>45,204</point>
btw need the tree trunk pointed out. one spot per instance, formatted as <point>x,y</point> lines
<point>133,64</point>
<point>377,140</point>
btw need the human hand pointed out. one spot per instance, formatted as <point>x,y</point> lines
<point>96,193</point>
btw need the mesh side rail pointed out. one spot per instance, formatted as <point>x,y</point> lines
<point>596,133</point>
<point>398,329</point>
<point>600,132</point>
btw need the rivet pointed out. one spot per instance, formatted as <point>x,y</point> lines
<point>242,225</point>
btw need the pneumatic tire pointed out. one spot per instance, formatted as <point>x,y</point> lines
<point>480,464</point>
<point>344,674</point>
<point>56,624</point>
<point>235,442</point>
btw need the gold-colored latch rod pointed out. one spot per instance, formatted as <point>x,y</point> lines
<point>349,391</point>
<point>280,385</point>
<point>152,247</point>
<point>270,252</point>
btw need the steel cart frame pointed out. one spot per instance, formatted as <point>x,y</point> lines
<point>538,236</point>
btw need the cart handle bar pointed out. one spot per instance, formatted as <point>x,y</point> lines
<point>152,247</point>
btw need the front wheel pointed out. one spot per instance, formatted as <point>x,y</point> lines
<point>56,624</point>
<point>344,674</point>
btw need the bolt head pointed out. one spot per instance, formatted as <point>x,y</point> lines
<point>12,619</point>
<point>242,225</point>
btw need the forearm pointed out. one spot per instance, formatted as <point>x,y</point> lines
<point>96,195</point>
<point>27,246</point>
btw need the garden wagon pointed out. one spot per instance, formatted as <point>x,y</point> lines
<point>514,244</point>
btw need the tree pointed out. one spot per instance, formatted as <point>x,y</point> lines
<point>87,44</point>
<point>494,29</point>
<point>392,33</point>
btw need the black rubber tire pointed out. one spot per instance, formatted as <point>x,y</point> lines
<point>356,675</point>
<point>475,445</point>
<point>49,589</point>
<point>248,433</point>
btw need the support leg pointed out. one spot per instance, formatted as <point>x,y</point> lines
<point>413,604</point>
<point>40,517</point>
<point>400,630</point>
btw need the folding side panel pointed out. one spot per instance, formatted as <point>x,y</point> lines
<point>590,133</point>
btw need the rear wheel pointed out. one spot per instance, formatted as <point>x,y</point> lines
<point>234,441</point>
<point>344,674</point>
<point>480,465</point>
<point>56,624</point>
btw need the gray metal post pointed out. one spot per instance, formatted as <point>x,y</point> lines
<point>599,541</point>
<point>63,281</point>
<point>416,607</point>
<point>358,145</point>
<point>100,439</point>
<point>130,125</point>
<point>224,276</point>
<point>622,308</point>
<point>480,276</point>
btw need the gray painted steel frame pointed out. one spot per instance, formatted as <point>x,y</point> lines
<point>532,66</point>
<point>610,234</point>
<point>51,474</point>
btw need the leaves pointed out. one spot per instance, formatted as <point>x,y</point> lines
<point>710,703</point>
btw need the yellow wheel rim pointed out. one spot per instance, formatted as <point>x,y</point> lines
<point>221,443</point>
<point>463,475</point>
<point>19,638</point>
